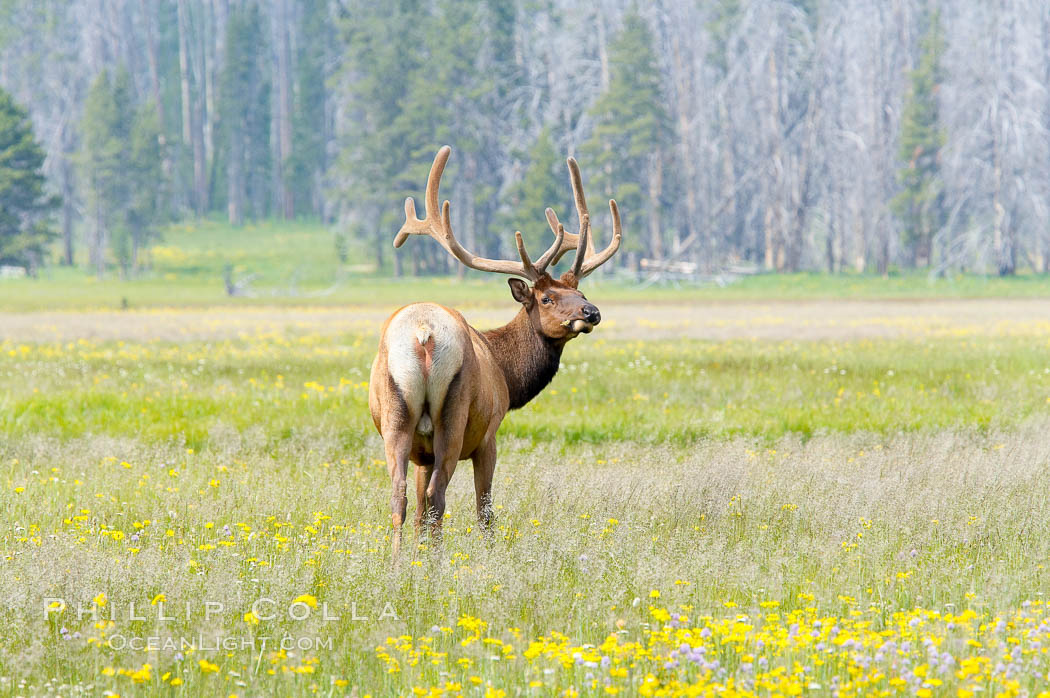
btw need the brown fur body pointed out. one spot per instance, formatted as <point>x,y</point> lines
<point>497,370</point>
<point>439,388</point>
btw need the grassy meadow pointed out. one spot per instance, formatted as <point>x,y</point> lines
<point>296,264</point>
<point>715,496</point>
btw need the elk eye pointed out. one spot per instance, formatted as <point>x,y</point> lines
<point>546,300</point>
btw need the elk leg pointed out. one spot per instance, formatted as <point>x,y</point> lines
<point>397,446</point>
<point>484,466</point>
<point>448,442</point>
<point>439,479</point>
<point>422,505</point>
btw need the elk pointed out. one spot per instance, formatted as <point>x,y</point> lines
<point>439,388</point>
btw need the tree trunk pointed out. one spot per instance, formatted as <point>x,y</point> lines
<point>656,183</point>
<point>283,112</point>
<point>200,117</point>
<point>800,192</point>
<point>860,244</point>
<point>470,215</point>
<point>1002,236</point>
<point>774,218</point>
<point>192,127</point>
<point>68,179</point>
<point>200,164</point>
<point>603,49</point>
<point>379,243</point>
<point>923,246</point>
<point>685,107</point>
<point>235,178</point>
<point>136,236</point>
<point>220,14</point>
<point>184,74</point>
<point>1044,235</point>
<point>728,175</point>
<point>882,266</point>
<point>829,245</point>
<point>207,73</point>
<point>154,74</point>
<point>100,244</point>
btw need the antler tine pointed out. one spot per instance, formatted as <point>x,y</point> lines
<point>581,248</point>
<point>572,240</point>
<point>594,261</point>
<point>581,201</point>
<point>413,225</point>
<point>561,243</point>
<point>520,242</point>
<point>441,230</point>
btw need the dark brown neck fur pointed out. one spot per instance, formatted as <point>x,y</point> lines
<point>528,359</point>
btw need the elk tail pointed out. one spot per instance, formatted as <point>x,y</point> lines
<point>425,337</point>
<point>423,333</point>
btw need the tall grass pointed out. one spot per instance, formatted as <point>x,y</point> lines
<point>783,510</point>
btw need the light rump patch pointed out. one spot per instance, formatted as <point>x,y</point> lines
<point>423,361</point>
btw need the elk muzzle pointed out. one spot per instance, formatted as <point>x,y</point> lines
<point>584,325</point>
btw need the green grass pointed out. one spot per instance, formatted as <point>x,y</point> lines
<point>662,392</point>
<point>280,252</point>
<point>889,489</point>
<point>296,263</point>
<point>785,508</point>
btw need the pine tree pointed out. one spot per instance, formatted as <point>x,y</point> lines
<point>309,113</point>
<point>245,115</point>
<point>441,107</point>
<point>920,204</point>
<point>101,162</point>
<point>125,180</point>
<point>543,185</point>
<point>146,201</point>
<point>120,168</point>
<point>381,42</point>
<point>724,15</point>
<point>631,130</point>
<point>24,203</point>
<point>501,73</point>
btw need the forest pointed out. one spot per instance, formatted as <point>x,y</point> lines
<point>780,135</point>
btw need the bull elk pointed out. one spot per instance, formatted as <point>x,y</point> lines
<point>439,388</point>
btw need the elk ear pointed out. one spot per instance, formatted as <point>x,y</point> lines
<point>520,290</point>
<point>569,279</point>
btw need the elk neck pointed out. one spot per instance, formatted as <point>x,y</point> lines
<point>527,358</point>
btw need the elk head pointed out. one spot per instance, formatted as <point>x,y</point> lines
<point>556,307</point>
